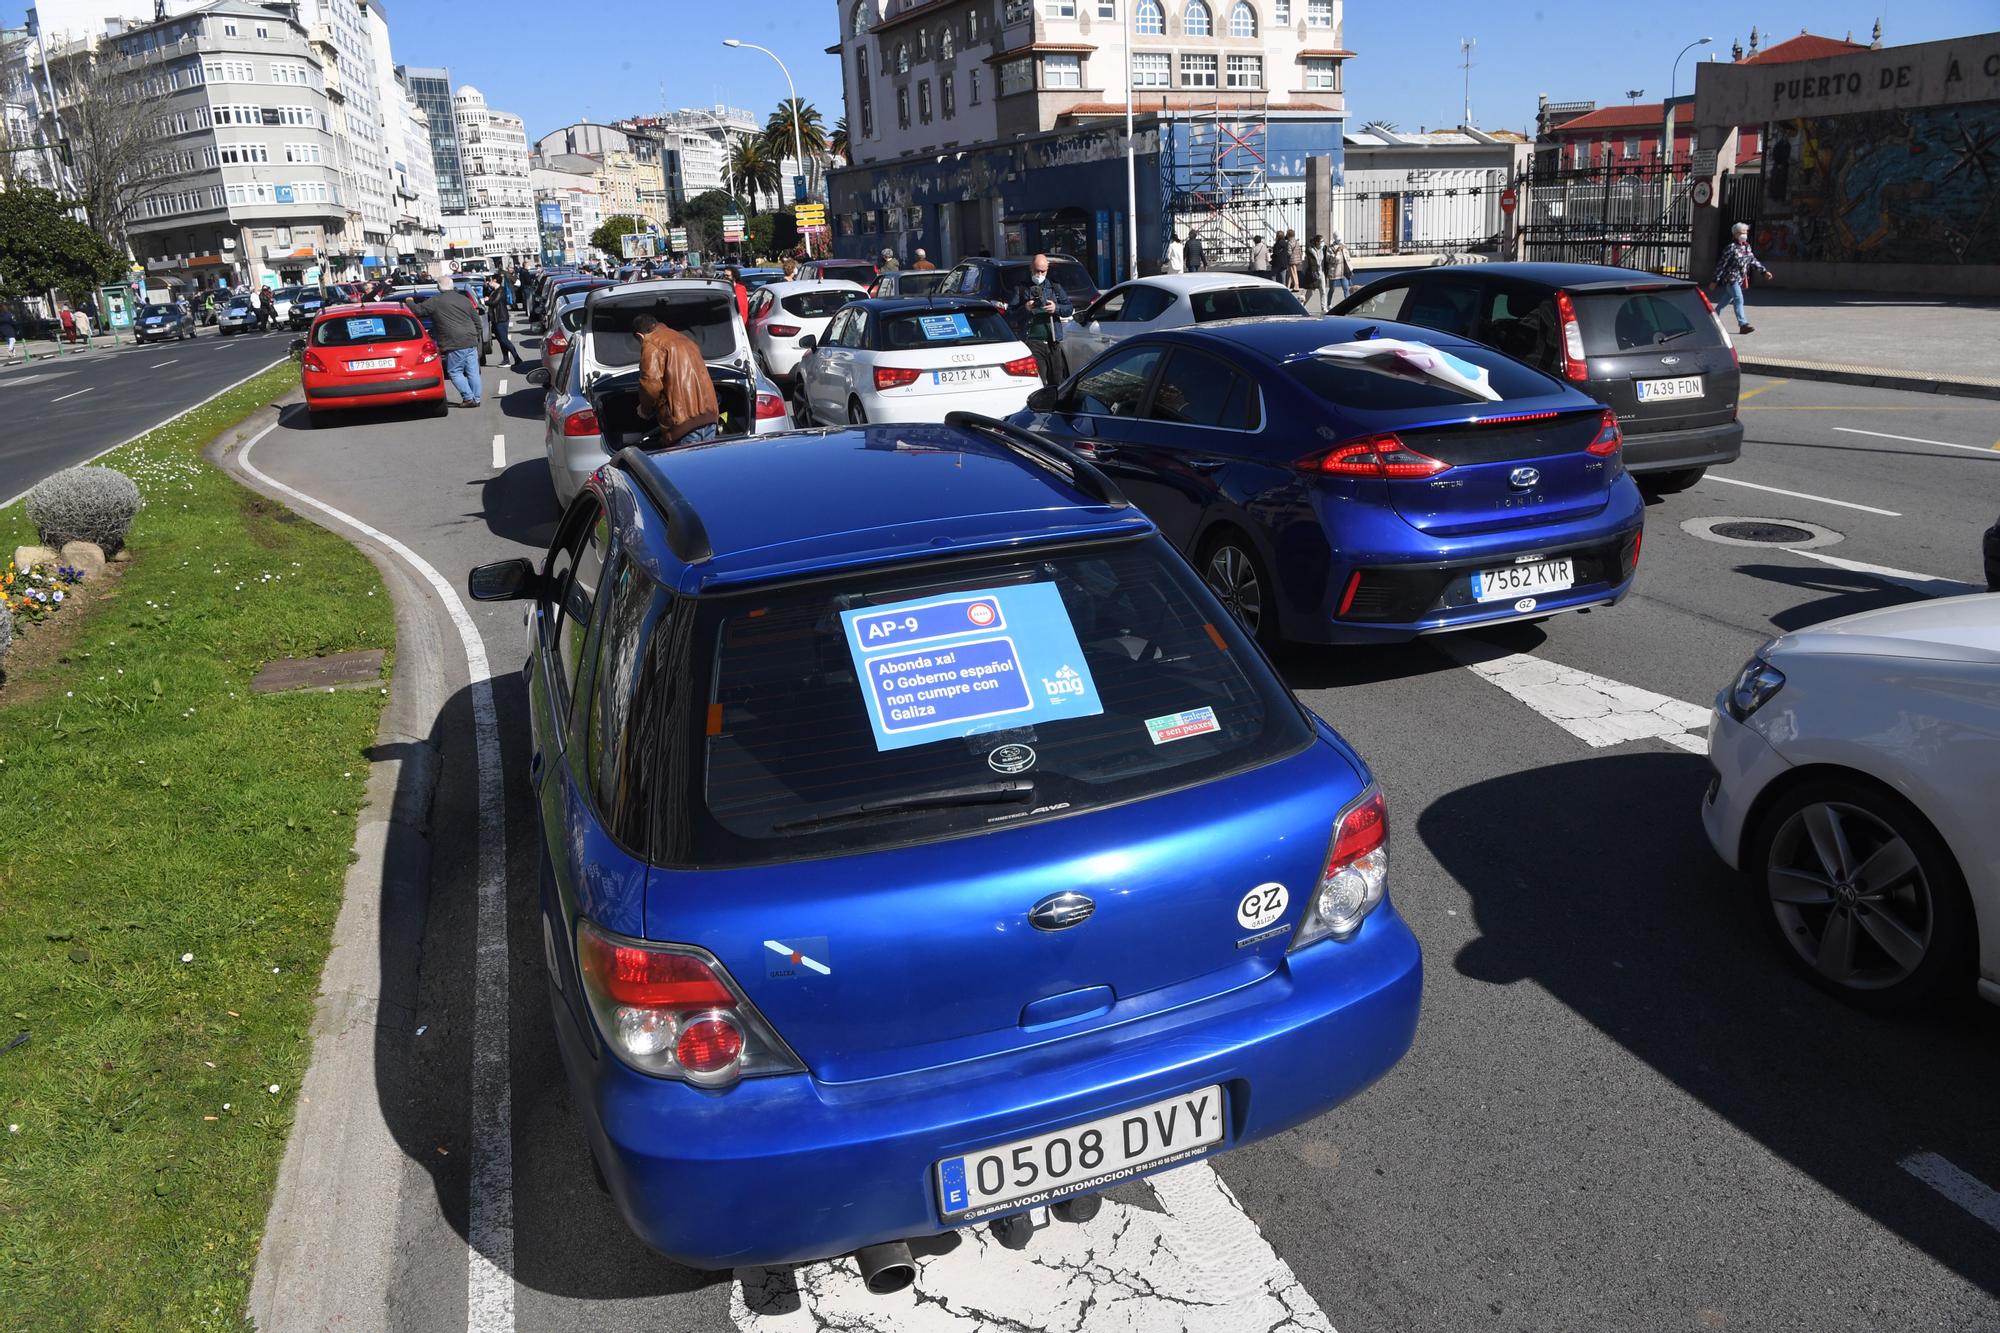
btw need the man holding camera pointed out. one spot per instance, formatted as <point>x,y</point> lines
<point>1036,311</point>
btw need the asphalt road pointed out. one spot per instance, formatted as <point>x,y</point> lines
<point>1622,1110</point>
<point>63,410</point>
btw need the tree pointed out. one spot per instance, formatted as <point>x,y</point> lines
<point>119,158</point>
<point>702,216</point>
<point>606,236</point>
<point>42,246</point>
<point>753,169</point>
<point>812,135</point>
<point>837,141</point>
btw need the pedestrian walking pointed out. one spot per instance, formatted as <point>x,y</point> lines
<point>1311,271</point>
<point>10,329</point>
<point>923,263</point>
<point>1281,259</point>
<point>1339,270</point>
<point>455,329</point>
<point>1292,250</point>
<point>1036,309</point>
<point>674,385</point>
<point>267,309</point>
<point>889,264</point>
<point>67,318</point>
<point>1260,258</point>
<point>1176,254</point>
<point>496,316</point>
<point>1732,272</point>
<point>1195,252</point>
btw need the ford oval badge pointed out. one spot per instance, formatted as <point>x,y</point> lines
<point>1060,911</point>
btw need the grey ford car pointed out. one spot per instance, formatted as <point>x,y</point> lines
<point>1646,346</point>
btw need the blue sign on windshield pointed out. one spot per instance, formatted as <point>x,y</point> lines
<point>358,329</point>
<point>942,328</point>
<point>972,662</point>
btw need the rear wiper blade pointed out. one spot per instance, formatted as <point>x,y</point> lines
<point>976,793</point>
<point>1669,337</point>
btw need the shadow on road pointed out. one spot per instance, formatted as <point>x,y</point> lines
<point>524,404</point>
<point>1663,949</point>
<point>519,504</point>
<point>1330,667</point>
<point>1847,592</point>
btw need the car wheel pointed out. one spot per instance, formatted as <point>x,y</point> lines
<point>1666,483</point>
<point>441,408</point>
<point>856,416</point>
<point>1864,895</point>
<point>1230,567</point>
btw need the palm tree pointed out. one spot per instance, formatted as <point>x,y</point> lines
<point>754,170</point>
<point>837,141</point>
<point>812,134</point>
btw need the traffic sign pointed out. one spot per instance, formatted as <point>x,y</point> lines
<point>1508,200</point>
<point>810,215</point>
<point>798,189</point>
<point>732,227</point>
<point>677,239</point>
<point>1702,192</point>
<point>1702,162</point>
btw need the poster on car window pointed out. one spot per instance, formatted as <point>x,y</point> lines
<point>968,662</point>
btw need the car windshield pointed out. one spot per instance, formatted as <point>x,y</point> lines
<point>1110,675</point>
<point>357,330</point>
<point>156,310</point>
<point>1241,302</point>
<point>818,305</point>
<point>287,293</point>
<point>904,330</point>
<point>861,273</point>
<point>1385,385</point>
<point>1629,321</point>
<point>920,283</point>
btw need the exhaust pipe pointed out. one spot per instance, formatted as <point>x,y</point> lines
<point>886,1269</point>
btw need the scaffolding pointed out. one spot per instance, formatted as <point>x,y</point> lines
<point>1215,169</point>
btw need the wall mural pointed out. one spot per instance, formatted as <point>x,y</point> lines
<point>1884,187</point>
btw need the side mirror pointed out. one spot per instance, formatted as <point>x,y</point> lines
<point>539,375</point>
<point>808,342</point>
<point>1042,399</point>
<point>503,581</point>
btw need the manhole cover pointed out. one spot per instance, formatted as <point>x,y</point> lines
<point>1751,530</point>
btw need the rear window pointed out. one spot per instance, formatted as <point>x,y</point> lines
<point>708,317</point>
<point>1244,302</point>
<point>1640,321</point>
<point>817,305</point>
<point>889,708</point>
<point>156,310</point>
<point>357,330</point>
<point>941,328</point>
<point>921,283</point>
<point>861,273</point>
<point>1385,387</point>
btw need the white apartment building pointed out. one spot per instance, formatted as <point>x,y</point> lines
<point>570,181</point>
<point>500,195</point>
<point>359,113</point>
<point>416,225</point>
<point>705,137</point>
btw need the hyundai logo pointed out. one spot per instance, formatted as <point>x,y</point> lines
<point>1060,911</point>
<point>1525,477</point>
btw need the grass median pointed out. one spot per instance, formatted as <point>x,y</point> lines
<point>174,847</point>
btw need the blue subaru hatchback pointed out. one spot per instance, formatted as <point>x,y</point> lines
<point>923,842</point>
<point>1354,481</point>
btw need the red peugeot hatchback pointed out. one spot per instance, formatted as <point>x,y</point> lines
<point>374,355</point>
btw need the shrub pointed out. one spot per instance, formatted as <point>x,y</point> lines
<point>84,504</point>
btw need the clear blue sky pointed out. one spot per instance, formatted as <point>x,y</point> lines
<point>553,62</point>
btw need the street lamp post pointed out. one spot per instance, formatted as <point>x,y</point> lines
<point>1673,87</point>
<point>798,151</point>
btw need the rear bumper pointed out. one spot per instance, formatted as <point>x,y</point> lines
<point>791,1169</point>
<point>1667,450</point>
<point>1000,401</point>
<point>422,388</point>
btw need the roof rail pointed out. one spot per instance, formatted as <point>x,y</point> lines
<point>687,538</point>
<point>1045,452</point>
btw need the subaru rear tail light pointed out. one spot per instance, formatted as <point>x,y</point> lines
<point>312,362</point>
<point>583,422</point>
<point>782,330</point>
<point>670,1010</point>
<point>1383,456</point>
<point>1609,439</point>
<point>1022,368</point>
<point>894,377</point>
<point>1356,873</point>
<point>770,407</point>
<point>555,344</point>
<point>1573,363</point>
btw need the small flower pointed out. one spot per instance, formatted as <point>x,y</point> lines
<point>272,1089</point>
<point>187,958</point>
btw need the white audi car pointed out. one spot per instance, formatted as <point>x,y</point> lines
<point>1857,772</point>
<point>784,314</point>
<point>914,360</point>
<point>1172,301</point>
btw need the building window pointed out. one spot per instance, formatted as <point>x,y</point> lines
<point>1058,9</point>
<point>1150,19</point>
<point>903,108</point>
<point>902,57</point>
<point>867,105</point>
<point>1016,76</point>
<point>1018,11</point>
<point>1282,11</point>
<point>1319,13</point>
<point>1576,154</point>
<point>1197,71</point>
<point>1107,9</point>
<point>229,30</point>
<point>1322,76</point>
<point>1197,21</point>
<point>1246,71</point>
<point>1242,20</point>
<point>1631,149</point>
<point>947,44</point>
<point>972,27</point>
<point>948,96</point>
<point>263,31</point>
<point>923,44</point>
<point>290,72</point>
<point>1150,70</point>
<point>229,71</point>
<point>1062,71</point>
<point>973,76</point>
<point>862,18</point>
<point>924,101</point>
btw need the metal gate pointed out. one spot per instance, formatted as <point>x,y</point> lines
<point>1431,212</point>
<point>1627,215</point>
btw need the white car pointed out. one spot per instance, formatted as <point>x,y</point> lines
<point>784,314</point>
<point>1857,764</point>
<point>914,360</point>
<point>1171,301</point>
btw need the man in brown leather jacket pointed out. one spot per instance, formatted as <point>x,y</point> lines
<point>674,387</point>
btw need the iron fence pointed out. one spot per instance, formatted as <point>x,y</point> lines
<point>1627,215</point>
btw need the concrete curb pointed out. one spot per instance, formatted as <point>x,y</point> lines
<point>1872,377</point>
<point>329,1247</point>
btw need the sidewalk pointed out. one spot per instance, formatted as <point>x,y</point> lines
<point>1927,343</point>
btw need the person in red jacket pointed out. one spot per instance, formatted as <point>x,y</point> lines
<point>742,295</point>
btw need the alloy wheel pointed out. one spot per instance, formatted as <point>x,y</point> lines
<point>1232,576</point>
<point>1850,895</point>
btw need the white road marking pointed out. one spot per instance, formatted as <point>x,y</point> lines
<point>489,1295</point>
<point>1912,439</point>
<point>503,388</point>
<point>1596,710</point>
<point>77,394</point>
<point>1928,584</point>
<point>499,452</point>
<point>1801,495</point>
<point>156,425</point>
<point>1198,1266</point>
<point>1968,1192</point>
<point>172,361</point>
